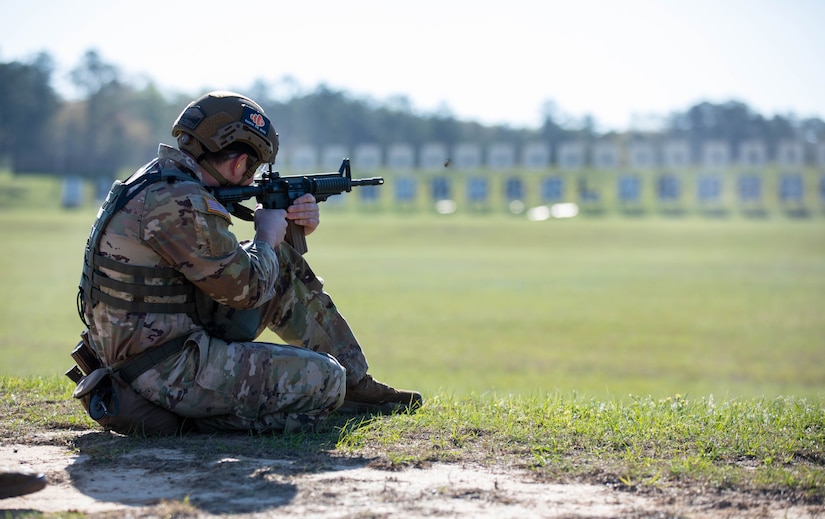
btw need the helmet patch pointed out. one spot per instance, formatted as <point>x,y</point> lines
<point>191,117</point>
<point>255,120</point>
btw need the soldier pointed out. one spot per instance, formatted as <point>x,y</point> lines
<point>174,302</point>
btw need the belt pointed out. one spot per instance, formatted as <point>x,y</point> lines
<point>137,365</point>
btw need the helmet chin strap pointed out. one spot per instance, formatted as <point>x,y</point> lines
<point>222,181</point>
<point>250,171</point>
<point>192,147</point>
<point>209,168</point>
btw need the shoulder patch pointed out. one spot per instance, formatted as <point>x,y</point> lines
<point>215,207</point>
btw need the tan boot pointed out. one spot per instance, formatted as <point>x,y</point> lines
<point>371,396</point>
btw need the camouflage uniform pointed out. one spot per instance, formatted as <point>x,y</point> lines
<point>224,385</point>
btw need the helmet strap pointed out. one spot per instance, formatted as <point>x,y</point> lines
<point>209,168</point>
<point>193,147</point>
<point>250,172</point>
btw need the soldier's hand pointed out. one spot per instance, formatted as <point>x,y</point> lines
<point>305,212</point>
<point>270,225</point>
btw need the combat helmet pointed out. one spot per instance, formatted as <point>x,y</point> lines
<point>219,119</point>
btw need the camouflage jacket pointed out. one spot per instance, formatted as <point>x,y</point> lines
<point>180,225</point>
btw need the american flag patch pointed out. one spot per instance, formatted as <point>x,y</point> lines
<point>215,207</point>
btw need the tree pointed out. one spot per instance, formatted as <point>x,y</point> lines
<point>28,107</point>
<point>151,116</point>
<point>93,74</point>
<point>101,146</point>
<point>732,122</point>
<point>551,129</point>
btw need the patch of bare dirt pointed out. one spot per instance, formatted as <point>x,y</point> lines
<point>168,481</point>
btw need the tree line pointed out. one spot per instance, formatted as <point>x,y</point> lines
<point>115,126</point>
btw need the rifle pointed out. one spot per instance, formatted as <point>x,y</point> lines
<point>273,191</point>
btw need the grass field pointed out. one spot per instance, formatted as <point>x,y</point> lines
<point>638,353</point>
<point>494,304</point>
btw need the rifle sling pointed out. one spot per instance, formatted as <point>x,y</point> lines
<point>242,212</point>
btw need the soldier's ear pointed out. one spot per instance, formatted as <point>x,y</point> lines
<point>240,161</point>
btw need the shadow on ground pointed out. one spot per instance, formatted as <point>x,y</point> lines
<point>214,473</point>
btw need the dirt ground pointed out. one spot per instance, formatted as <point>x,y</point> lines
<point>166,481</point>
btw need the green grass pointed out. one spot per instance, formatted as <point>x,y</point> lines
<point>494,304</point>
<point>767,447</point>
<point>754,444</point>
<point>637,352</point>
<point>604,307</point>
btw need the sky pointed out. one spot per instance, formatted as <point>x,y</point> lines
<point>623,62</point>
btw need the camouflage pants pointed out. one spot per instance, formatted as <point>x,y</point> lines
<point>263,386</point>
